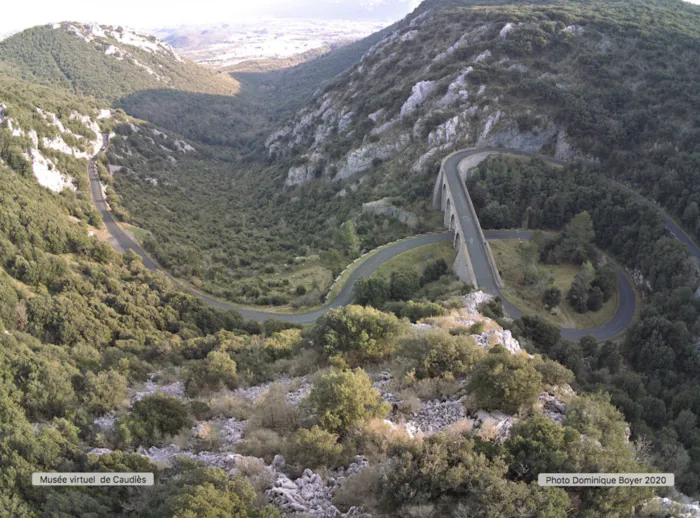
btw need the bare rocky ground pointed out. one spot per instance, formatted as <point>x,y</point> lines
<point>311,494</point>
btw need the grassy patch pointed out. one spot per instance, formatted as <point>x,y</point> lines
<point>528,297</point>
<point>138,233</point>
<point>417,259</point>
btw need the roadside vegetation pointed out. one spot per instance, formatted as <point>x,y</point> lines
<point>651,373</point>
<point>564,294</point>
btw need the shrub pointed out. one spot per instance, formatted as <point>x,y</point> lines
<point>415,311</point>
<point>359,489</point>
<point>195,490</point>
<point>261,443</point>
<point>343,399</point>
<point>595,299</point>
<point>104,391</point>
<point>371,291</point>
<point>551,297</point>
<point>313,448</point>
<point>448,475</point>
<point>282,344</point>
<point>434,271</point>
<point>153,418</point>
<point>436,353</point>
<point>356,333</point>
<point>543,334</point>
<point>539,445</point>
<point>275,413</point>
<point>553,373</point>
<point>217,370</point>
<point>476,328</point>
<point>503,381</point>
<point>404,284</point>
<point>492,309</point>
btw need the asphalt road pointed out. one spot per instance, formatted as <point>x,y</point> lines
<point>484,275</point>
<point>622,318</point>
<point>120,239</point>
<point>671,225</point>
<point>346,295</point>
<point>477,251</point>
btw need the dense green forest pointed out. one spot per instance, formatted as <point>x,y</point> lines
<point>63,59</point>
<point>622,91</point>
<point>81,324</point>
<point>83,329</point>
<point>652,374</point>
<point>230,228</point>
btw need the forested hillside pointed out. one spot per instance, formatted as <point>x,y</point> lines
<point>425,400</point>
<point>105,62</point>
<point>106,367</point>
<point>653,372</point>
<point>610,82</point>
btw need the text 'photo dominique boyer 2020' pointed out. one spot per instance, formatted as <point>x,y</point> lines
<point>341,258</point>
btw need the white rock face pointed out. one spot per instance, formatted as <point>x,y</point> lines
<point>345,121</point>
<point>420,165</point>
<point>675,509</point>
<point>576,30</point>
<point>553,408</point>
<point>46,172</point>
<point>505,30</point>
<point>105,422</point>
<point>384,208</point>
<point>492,119</point>
<point>484,55</point>
<point>419,94</point>
<point>361,159</point>
<point>123,35</point>
<point>409,35</point>
<point>184,147</point>
<point>384,127</point>
<point>374,117</point>
<point>304,173</point>
<point>461,42</point>
<point>501,337</point>
<point>457,91</point>
<point>445,132</point>
<point>519,67</point>
<point>473,300</point>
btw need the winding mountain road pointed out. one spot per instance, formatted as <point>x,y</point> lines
<point>123,242</point>
<point>480,256</point>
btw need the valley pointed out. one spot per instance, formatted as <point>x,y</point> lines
<point>397,276</point>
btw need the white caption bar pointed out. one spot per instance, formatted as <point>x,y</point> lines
<point>606,479</point>
<point>92,479</point>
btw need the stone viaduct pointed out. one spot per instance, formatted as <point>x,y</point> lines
<point>474,263</point>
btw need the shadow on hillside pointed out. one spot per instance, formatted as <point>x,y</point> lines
<point>230,120</point>
<point>243,120</point>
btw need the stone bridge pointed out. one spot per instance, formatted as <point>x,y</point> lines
<point>474,263</point>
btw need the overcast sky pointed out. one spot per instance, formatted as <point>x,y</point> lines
<point>152,14</point>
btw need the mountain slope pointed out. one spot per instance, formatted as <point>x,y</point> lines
<point>105,62</point>
<point>612,83</point>
<point>580,78</point>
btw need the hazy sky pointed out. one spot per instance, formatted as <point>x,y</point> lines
<point>150,14</point>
